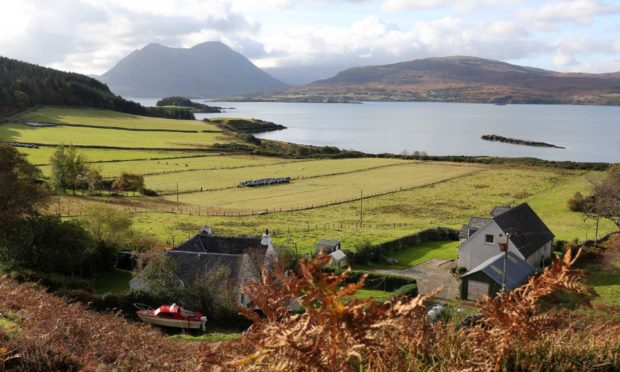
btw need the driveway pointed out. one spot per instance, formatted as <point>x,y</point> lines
<point>430,275</point>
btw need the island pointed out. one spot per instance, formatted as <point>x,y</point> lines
<point>239,125</point>
<point>183,102</point>
<point>515,141</point>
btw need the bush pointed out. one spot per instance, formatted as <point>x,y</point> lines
<point>53,282</point>
<point>409,290</point>
<point>149,192</point>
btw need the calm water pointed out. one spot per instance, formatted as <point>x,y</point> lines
<point>589,133</point>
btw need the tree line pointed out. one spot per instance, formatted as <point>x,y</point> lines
<point>24,85</point>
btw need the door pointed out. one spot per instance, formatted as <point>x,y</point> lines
<point>476,289</point>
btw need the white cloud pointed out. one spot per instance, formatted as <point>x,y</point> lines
<point>460,5</point>
<point>580,12</point>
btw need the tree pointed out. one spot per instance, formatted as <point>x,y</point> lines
<point>160,279</point>
<point>129,182</point>
<point>69,169</point>
<point>606,194</point>
<point>20,195</point>
<point>109,225</point>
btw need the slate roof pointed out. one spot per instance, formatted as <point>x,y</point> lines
<point>529,232</point>
<point>338,255</point>
<point>202,243</point>
<point>474,223</point>
<point>500,209</point>
<point>517,270</point>
<point>192,265</point>
<point>327,243</point>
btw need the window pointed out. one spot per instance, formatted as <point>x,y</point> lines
<point>488,238</point>
<point>472,231</point>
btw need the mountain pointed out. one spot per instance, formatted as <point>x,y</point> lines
<point>459,79</point>
<point>209,69</point>
<point>24,85</point>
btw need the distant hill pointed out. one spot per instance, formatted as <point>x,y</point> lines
<point>209,69</point>
<point>458,79</point>
<point>24,85</point>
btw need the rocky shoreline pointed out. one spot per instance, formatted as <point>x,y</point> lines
<point>515,141</point>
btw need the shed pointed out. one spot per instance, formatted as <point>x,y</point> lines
<point>327,246</point>
<point>486,278</point>
<point>338,258</point>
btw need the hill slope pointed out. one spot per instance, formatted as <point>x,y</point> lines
<point>24,85</point>
<point>209,69</point>
<point>462,79</point>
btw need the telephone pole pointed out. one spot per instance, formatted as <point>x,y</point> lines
<point>361,208</point>
<point>177,196</point>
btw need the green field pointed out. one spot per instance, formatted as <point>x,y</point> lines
<point>179,167</point>
<point>231,177</point>
<point>107,137</point>
<point>41,156</point>
<point>415,255</point>
<point>107,118</point>
<point>314,191</point>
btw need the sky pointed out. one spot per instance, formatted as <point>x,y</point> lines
<point>322,36</point>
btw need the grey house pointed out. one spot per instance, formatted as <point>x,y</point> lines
<point>327,246</point>
<point>530,239</point>
<point>204,254</point>
<point>487,278</point>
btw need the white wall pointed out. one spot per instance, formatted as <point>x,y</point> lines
<point>475,250</point>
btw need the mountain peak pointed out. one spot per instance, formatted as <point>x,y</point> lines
<point>210,69</point>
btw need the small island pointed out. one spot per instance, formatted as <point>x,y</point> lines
<point>515,141</point>
<point>245,125</point>
<point>183,102</point>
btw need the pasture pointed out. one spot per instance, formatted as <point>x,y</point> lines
<point>41,156</point>
<point>107,118</point>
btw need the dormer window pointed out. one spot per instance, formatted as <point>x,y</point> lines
<point>489,239</point>
<point>472,232</point>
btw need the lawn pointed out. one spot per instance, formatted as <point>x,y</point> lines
<point>209,336</point>
<point>232,177</point>
<point>116,281</point>
<point>375,294</point>
<point>109,118</point>
<point>107,137</point>
<point>606,283</point>
<point>418,254</point>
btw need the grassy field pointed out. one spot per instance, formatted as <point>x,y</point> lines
<point>375,294</point>
<point>41,156</point>
<point>231,177</point>
<point>107,137</point>
<point>314,191</point>
<point>182,165</point>
<point>107,118</point>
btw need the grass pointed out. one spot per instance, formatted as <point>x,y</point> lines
<point>116,281</point>
<point>41,156</point>
<point>209,336</point>
<point>107,137</point>
<point>375,294</point>
<point>184,165</point>
<point>308,192</point>
<point>109,118</point>
<point>606,283</point>
<point>231,177</point>
<point>418,254</point>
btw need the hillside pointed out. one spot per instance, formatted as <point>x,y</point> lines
<point>459,79</point>
<point>24,85</point>
<point>209,69</point>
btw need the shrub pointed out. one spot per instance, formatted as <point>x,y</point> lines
<point>409,290</point>
<point>149,192</point>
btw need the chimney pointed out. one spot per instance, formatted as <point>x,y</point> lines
<point>266,239</point>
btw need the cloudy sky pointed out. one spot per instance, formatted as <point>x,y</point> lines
<point>90,36</point>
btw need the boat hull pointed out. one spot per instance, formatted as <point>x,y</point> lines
<point>167,322</point>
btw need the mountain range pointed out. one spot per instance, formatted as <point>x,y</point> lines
<point>210,69</point>
<point>456,79</point>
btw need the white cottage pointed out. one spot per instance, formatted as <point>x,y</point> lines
<point>530,239</point>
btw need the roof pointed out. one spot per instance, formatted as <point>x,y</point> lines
<point>204,243</point>
<point>528,231</point>
<point>474,223</point>
<point>192,265</point>
<point>327,243</point>
<point>517,270</point>
<point>338,255</point>
<point>500,209</point>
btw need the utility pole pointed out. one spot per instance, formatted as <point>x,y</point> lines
<point>503,247</point>
<point>361,208</point>
<point>177,195</point>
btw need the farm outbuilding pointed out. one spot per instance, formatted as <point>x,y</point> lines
<point>327,246</point>
<point>487,278</point>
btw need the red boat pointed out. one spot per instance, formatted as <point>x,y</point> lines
<point>173,316</point>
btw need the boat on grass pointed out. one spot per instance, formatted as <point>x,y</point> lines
<point>172,316</point>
